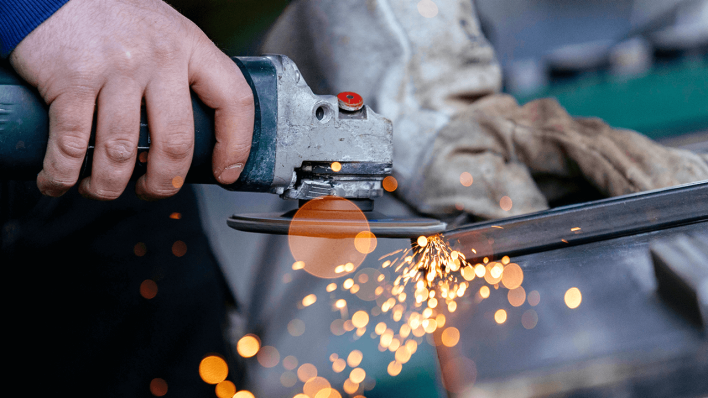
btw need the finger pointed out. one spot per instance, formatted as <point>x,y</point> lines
<point>169,111</point>
<point>70,119</point>
<point>117,133</point>
<point>218,82</point>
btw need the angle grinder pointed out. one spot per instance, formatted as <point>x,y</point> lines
<point>317,149</point>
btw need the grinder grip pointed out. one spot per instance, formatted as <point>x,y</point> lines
<point>24,131</point>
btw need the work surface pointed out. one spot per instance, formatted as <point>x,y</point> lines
<point>622,340</point>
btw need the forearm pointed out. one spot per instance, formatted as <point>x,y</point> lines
<point>20,17</point>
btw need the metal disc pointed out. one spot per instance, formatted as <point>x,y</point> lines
<point>380,225</point>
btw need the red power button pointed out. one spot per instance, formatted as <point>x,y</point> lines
<point>350,101</point>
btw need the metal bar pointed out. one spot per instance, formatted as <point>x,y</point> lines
<point>583,223</point>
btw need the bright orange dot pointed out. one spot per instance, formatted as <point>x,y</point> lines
<point>331,287</point>
<point>336,166</point>
<point>390,184</point>
<point>500,316</point>
<point>350,387</point>
<point>365,242</point>
<point>357,375</point>
<point>268,356</point>
<point>176,216</point>
<point>313,386</point>
<point>513,276</point>
<point>179,248</point>
<point>394,368</point>
<point>505,203</point>
<point>213,369</point>
<point>225,389</point>
<point>140,249</point>
<point>309,300</point>
<point>298,265</point>
<point>516,296</point>
<point>244,394</point>
<point>328,393</point>
<point>402,354</point>
<point>332,257</point>
<point>573,297</point>
<point>422,241</point>
<point>339,365</point>
<point>248,346</point>
<point>158,387</point>
<point>360,319</point>
<point>148,289</point>
<point>177,182</point>
<point>484,291</point>
<point>450,336</point>
<point>354,358</point>
<point>466,179</point>
<point>306,371</point>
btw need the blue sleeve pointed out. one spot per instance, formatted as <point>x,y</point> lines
<point>19,17</point>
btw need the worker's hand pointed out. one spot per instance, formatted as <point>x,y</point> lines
<point>111,54</point>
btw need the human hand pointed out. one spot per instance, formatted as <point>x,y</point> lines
<point>111,54</point>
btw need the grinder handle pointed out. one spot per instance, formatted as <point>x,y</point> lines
<point>24,131</point>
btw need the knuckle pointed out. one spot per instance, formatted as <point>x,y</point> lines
<point>120,150</point>
<point>70,144</point>
<point>179,145</point>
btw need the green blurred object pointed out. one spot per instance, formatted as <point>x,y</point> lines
<point>237,27</point>
<point>668,100</point>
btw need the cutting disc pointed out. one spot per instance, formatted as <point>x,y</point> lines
<point>335,217</point>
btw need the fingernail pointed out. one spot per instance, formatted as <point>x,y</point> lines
<point>231,173</point>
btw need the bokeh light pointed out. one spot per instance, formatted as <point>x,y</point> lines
<point>534,298</point>
<point>148,289</point>
<point>516,296</point>
<point>306,371</point>
<point>357,375</point>
<point>529,319</point>
<point>573,297</point>
<point>309,300</point>
<point>248,345</point>
<point>365,242</point>
<point>465,178</point>
<point>389,184</point>
<point>500,316</point>
<point>158,387</point>
<point>268,356</point>
<point>244,394</point>
<point>512,276</point>
<point>354,358</point>
<point>213,369</point>
<point>225,389</point>
<point>450,336</point>
<point>505,203</point>
<point>315,385</point>
<point>179,248</point>
<point>394,368</point>
<point>322,235</point>
<point>296,327</point>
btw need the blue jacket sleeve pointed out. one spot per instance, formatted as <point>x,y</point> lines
<point>19,17</point>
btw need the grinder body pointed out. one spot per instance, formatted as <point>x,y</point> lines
<point>297,135</point>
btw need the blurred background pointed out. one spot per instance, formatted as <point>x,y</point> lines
<point>638,64</point>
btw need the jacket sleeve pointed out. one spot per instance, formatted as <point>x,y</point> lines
<point>19,17</point>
